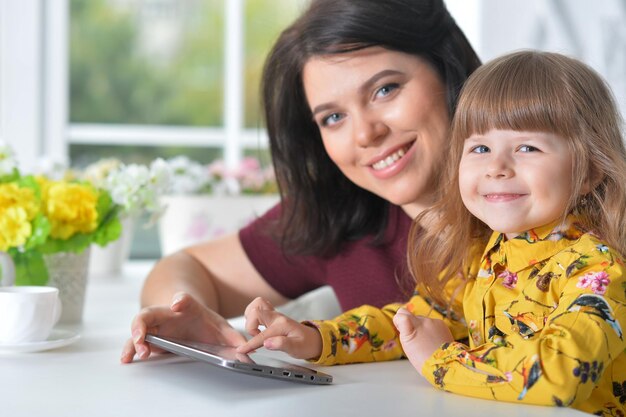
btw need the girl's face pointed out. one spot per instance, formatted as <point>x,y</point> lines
<point>383,120</point>
<point>515,181</point>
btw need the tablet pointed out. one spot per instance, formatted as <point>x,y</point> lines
<point>252,364</point>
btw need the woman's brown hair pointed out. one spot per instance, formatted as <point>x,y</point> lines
<point>321,208</point>
<point>537,92</point>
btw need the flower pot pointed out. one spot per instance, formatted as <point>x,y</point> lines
<point>7,270</point>
<point>107,261</point>
<point>191,219</point>
<point>68,272</point>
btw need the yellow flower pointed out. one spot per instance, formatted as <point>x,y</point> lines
<point>18,207</point>
<point>70,207</point>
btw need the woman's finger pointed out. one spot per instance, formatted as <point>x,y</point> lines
<point>230,336</point>
<point>181,301</point>
<point>128,352</point>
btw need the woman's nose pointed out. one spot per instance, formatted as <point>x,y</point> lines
<point>368,130</point>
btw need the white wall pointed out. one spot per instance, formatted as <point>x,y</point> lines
<point>593,31</point>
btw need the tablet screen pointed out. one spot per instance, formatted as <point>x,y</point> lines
<point>228,358</point>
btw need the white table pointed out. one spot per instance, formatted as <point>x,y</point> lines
<point>86,379</point>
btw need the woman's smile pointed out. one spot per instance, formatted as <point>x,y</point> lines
<point>394,163</point>
<point>391,158</point>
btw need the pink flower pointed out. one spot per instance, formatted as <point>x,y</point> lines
<point>248,167</point>
<point>389,345</point>
<point>509,279</point>
<point>217,169</point>
<point>596,281</point>
<point>584,281</point>
<point>477,337</point>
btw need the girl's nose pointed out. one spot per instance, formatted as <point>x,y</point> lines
<point>368,130</point>
<point>500,167</point>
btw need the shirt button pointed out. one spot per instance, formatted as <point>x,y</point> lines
<point>515,328</point>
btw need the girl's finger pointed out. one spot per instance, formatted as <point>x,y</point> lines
<point>254,315</point>
<point>275,325</point>
<point>407,325</point>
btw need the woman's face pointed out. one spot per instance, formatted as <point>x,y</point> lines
<point>383,119</point>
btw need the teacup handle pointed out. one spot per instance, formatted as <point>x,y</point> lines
<point>7,270</point>
<point>58,309</point>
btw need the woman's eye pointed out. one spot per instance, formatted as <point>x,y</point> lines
<point>331,119</point>
<point>480,149</point>
<point>386,89</point>
<point>527,148</point>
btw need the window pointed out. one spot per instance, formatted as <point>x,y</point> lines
<point>164,77</point>
<point>160,78</point>
<point>135,79</point>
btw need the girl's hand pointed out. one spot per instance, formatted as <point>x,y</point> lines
<point>184,318</point>
<point>420,336</point>
<point>281,332</point>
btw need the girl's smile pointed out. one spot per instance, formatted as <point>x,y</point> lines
<point>502,197</point>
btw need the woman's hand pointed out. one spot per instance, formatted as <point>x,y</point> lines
<point>281,333</point>
<point>420,336</point>
<point>184,318</point>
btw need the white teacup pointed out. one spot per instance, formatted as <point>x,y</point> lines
<point>27,314</point>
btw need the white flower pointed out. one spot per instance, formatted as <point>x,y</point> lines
<point>137,188</point>
<point>8,162</point>
<point>187,176</point>
<point>98,172</point>
<point>52,168</point>
<point>191,177</point>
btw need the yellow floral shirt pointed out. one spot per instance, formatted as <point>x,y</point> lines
<point>543,314</point>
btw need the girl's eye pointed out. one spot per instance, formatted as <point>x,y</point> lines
<point>331,119</point>
<point>480,149</point>
<point>527,148</point>
<point>386,89</point>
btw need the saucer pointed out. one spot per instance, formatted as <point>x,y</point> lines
<point>58,338</point>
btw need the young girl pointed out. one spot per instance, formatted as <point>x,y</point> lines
<point>531,239</point>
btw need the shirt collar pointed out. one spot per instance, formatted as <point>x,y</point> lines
<point>533,246</point>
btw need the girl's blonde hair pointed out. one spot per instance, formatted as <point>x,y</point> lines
<point>527,91</point>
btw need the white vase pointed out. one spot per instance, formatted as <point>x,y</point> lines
<point>191,219</point>
<point>107,261</point>
<point>68,272</point>
<point>7,270</point>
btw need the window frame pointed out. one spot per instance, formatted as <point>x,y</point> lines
<point>34,89</point>
<point>34,83</point>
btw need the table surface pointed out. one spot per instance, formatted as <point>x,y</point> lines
<point>86,378</point>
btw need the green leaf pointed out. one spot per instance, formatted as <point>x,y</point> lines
<point>109,226</point>
<point>28,181</point>
<point>41,230</point>
<point>77,243</point>
<point>14,175</point>
<point>108,231</point>
<point>30,268</point>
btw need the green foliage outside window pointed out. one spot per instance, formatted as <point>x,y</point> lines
<point>113,81</point>
<point>264,20</point>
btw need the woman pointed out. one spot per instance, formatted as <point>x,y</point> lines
<point>358,97</point>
